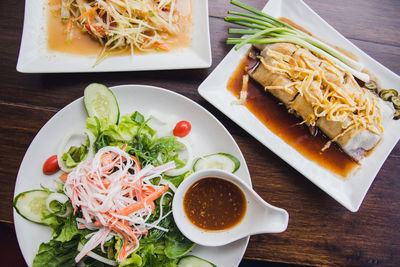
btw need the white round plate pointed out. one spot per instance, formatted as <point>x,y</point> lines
<point>208,136</point>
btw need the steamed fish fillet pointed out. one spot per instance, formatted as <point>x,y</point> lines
<point>323,95</point>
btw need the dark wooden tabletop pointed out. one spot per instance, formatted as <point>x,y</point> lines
<point>320,231</point>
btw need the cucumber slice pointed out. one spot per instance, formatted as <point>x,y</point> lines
<point>32,205</point>
<point>221,161</point>
<point>193,261</point>
<point>100,102</point>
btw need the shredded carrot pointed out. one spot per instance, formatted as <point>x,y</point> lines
<point>136,161</point>
<point>69,26</point>
<point>113,191</point>
<point>146,201</point>
<point>162,46</point>
<point>87,13</point>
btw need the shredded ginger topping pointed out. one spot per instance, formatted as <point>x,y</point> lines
<point>116,197</point>
<point>145,25</point>
<point>332,92</point>
<point>243,91</point>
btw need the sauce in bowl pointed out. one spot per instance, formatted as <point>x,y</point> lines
<point>214,204</point>
<point>213,208</point>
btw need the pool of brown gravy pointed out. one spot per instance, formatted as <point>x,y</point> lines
<point>276,117</point>
<point>82,43</point>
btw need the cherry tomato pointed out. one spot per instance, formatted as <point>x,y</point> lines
<point>50,166</point>
<point>182,129</point>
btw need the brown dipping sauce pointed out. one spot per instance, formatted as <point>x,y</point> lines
<point>276,117</point>
<point>214,204</point>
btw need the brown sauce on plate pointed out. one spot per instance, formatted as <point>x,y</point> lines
<point>295,25</point>
<point>83,44</point>
<point>214,204</point>
<point>275,116</point>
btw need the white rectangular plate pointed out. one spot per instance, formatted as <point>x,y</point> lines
<point>349,192</point>
<point>34,57</point>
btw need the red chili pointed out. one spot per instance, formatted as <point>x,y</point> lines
<point>50,166</point>
<point>182,129</point>
<point>88,28</point>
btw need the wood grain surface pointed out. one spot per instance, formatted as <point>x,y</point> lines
<point>321,232</point>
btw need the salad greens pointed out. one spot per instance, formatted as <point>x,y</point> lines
<point>157,247</point>
<point>140,139</point>
<point>75,155</point>
<point>57,253</point>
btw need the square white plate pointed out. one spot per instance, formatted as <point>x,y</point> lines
<point>34,57</point>
<point>349,192</point>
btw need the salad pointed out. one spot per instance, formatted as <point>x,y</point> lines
<point>113,202</point>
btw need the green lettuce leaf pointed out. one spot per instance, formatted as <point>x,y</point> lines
<point>177,180</point>
<point>90,262</point>
<point>176,244</point>
<point>55,253</point>
<point>133,131</point>
<point>75,155</point>
<point>69,230</point>
<point>124,131</point>
<point>132,261</point>
<point>111,134</point>
<point>97,125</point>
<point>150,255</point>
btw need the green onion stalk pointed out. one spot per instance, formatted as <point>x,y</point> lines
<point>261,28</point>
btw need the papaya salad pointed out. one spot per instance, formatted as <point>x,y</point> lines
<point>135,26</point>
<point>112,203</point>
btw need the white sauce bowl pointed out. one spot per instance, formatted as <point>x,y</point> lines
<point>260,217</point>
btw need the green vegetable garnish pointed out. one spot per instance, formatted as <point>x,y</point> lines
<point>396,101</point>
<point>75,155</point>
<point>396,114</point>
<point>266,29</point>
<point>371,85</point>
<point>387,94</point>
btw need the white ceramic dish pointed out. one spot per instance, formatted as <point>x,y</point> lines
<point>147,100</point>
<point>34,57</point>
<point>260,216</point>
<point>349,192</point>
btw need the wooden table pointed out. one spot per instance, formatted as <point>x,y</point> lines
<point>321,231</point>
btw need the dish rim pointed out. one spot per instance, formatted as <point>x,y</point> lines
<point>34,57</point>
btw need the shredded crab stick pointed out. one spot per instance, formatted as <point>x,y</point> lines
<point>116,197</point>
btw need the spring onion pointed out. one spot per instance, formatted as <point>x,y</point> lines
<point>64,142</point>
<point>189,159</point>
<point>262,28</point>
<point>60,198</point>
